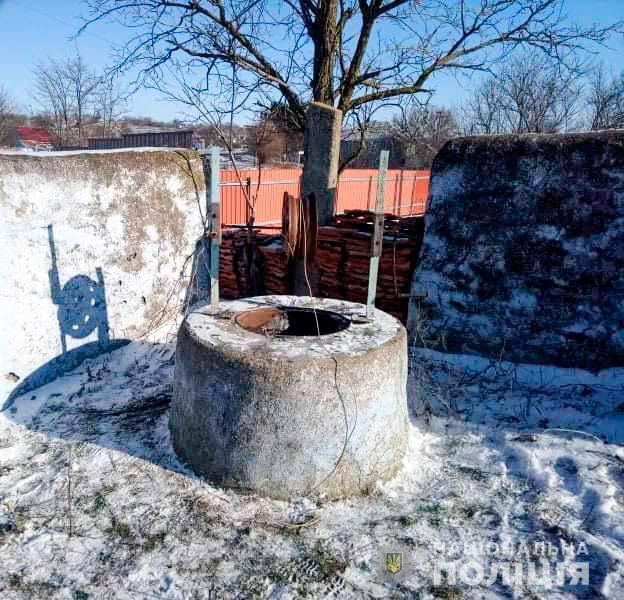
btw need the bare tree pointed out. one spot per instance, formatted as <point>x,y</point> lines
<point>421,131</point>
<point>52,92</point>
<point>83,85</point>
<point>482,113</point>
<point>66,91</point>
<point>279,131</point>
<point>606,101</point>
<point>6,117</point>
<point>344,53</point>
<point>109,103</point>
<point>266,141</point>
<point>529,94</point>
<point>214,101</point>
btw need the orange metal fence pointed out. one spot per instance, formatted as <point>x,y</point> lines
<point>405,192</point>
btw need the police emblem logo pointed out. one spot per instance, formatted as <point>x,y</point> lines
<point>394,562</point>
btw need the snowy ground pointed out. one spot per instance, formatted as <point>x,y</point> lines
<point>506,464</point>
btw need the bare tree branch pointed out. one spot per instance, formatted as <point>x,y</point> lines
<point>349,54</point>
<point>421,131</point>
<point>6,117</point>
<point>606,101</point>
<point>528,94</point>
<point>76,99</point>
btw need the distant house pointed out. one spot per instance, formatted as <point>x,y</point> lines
<point>33,138</point>
<point>376,139</point>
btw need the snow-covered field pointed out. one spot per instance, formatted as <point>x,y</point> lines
<point>506,465</point>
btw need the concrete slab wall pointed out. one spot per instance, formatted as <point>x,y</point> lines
<point>523,255</point>
<point>92,246</point>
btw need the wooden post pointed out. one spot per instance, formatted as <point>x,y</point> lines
<point>215,227</point>
<point>377,242</point>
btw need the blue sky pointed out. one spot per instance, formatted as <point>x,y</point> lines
<point>33,30</point>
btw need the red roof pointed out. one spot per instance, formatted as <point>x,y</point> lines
<point>33,135</point>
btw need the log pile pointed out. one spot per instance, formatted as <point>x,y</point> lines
<point>275,265</point>
<point>233,265</point>
<point>362,220</point>
<point>343,255</point>
<point>270,268</point>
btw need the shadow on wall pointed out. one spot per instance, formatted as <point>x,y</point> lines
<point>81,310</point>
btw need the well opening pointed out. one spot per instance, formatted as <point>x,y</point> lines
<point>292,321</point>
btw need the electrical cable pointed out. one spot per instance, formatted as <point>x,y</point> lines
<point>348,434</point>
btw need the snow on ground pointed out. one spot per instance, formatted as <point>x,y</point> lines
<point>46,153</point>
<point>506,464</point>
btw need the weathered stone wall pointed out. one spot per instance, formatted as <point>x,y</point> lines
<point>95,238</point>
<point>523,256</point>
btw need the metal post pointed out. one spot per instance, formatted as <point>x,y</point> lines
<point>377,242</point>
<point>248,202</point>
<point>215,227</point>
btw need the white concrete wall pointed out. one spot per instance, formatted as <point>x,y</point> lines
<point>132,214</point>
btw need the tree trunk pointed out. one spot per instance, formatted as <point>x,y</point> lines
<point>324,34</point>
<point>321,138</point>
<point>321,143</point>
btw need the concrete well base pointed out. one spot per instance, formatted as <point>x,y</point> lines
<point>257,408</point>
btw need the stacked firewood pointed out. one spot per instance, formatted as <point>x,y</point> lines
<point>362,220</point>
<point>344,251</point>
<point>233,264</point>
<point>269,271</point>
<point>343,254</point>
<point>275,266</point>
